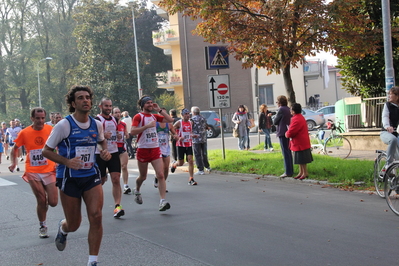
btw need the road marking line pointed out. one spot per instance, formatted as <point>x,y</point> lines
<point>4,183</point>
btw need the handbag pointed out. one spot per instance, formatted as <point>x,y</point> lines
<point>252,123</point>
<point>236,133</point>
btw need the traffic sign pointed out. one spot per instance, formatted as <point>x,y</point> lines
<point>219,91</point>
<point>216,57</point>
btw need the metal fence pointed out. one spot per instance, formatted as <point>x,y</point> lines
<point>372,111</point>
<point>370,117</point>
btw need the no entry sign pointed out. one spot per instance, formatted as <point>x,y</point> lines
<point>219,91</point>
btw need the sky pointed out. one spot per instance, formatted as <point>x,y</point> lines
<point>331,59</point>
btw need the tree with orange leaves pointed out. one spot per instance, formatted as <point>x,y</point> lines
<point>278,34</point>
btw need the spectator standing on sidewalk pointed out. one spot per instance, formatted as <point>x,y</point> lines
<point>78,176</point>
<point>39,172</point>
<point>282,121</point>
<point>300,142</point>
<point>251,121</point>
<point>200,141</point>
<point>240,118</point>
<point>265,124</point>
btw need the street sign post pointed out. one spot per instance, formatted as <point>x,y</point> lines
<point>219,91</point>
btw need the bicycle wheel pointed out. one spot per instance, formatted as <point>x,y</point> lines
<point>391,187</point>
<point>379,164</point>
<point>315,143</point>
<point>338,146</point>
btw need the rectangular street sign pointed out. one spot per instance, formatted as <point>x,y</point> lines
<point>216,57</point>
<point>219,91</point>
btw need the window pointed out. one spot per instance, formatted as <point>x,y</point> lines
<point>266,94</point>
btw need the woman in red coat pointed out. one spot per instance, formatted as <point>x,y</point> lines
<point>300,142</point>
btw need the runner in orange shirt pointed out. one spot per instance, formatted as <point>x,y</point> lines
<point>39,171</point>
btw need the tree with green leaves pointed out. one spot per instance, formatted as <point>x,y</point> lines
<point>278,34</point>
<point>365,75</point>
<point>107,63</point>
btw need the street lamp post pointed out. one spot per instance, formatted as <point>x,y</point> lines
<point>137,52</point>
<point>38,78</point>
<point>386,26</point>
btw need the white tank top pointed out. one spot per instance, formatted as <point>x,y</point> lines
<point>149,137</point>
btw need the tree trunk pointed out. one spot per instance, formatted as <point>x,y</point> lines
<point>23,98</point>
<point>289,87</point>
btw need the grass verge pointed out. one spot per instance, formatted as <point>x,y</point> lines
<point>340,172</point>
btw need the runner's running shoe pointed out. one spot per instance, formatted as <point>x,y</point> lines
<point>127,191</point>
<point>118,212</point>
<point>137,197</point>
<point>155,182</point>
<point>173,168</point>
<point>192,182</point>
<point>43,232</point>
<point>164,205</point>
<point>60,239</point>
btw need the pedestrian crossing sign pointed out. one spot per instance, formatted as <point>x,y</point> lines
<point>216,57</point>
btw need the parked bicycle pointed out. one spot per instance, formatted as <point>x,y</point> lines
<point>317,140</point>
<point>335,144</point>
<point>379,172</point>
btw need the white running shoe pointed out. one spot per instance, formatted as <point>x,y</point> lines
<point>137,197</point>
<point>127,191</point>
<point>164,205</point>
<point>199,173</point>
<point>43,232</point>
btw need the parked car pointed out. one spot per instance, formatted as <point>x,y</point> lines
<point>328,111</point>
<point>213,121</point>
<point>313,118</point>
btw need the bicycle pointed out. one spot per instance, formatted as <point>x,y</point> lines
<point>391,187</point>
<point>337,145</point>
<point>317,140</point>
<point>379,172</point>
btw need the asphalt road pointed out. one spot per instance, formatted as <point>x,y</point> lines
<point>225,220</point>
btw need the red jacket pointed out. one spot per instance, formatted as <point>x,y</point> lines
<point>299,134</point>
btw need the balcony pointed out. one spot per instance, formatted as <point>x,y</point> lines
<point>311,69</point>
<point>166,38</point>
<point>169,79</point>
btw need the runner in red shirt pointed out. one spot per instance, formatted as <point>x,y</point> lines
<point>148,151</point>
<point>184,145</point>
